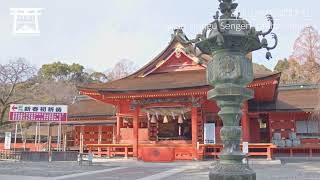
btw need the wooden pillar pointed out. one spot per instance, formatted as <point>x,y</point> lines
<point>65,141</point>
<point>269,153</point>
<point>39,137</point>
<point>270,126</point>
<point>194,132</point>
<point>81,139</point>
<point>49,137</point>
<point>99,138</point>
<point>119,126</point>
<point>136,132</point>
<point>35,138</point>
<point>245,123</point>
<point>114,134</point>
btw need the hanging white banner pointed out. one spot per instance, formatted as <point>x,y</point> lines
<point>7,141</point>
<point>245,147</point>
<point>209,133</point>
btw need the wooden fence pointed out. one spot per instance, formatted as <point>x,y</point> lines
<point>213,150</point>
<point>111,150</point>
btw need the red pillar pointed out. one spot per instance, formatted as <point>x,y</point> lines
<point>119,125</point>
<point>194,132</point>
<point>245,122</point>
<point>136,132</point>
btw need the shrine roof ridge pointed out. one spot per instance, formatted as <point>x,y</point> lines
<point>164,81</point>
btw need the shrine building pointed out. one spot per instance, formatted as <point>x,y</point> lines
<point>161,113</point>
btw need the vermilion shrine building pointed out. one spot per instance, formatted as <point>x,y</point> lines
<point>159,111</point>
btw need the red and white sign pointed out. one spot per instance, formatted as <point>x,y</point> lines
<point>28,112</point>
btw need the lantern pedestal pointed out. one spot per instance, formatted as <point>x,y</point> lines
<point>234,171</point>
<point>230,72</point>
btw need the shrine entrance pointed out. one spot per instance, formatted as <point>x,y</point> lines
<point>170,123</point>
<point>264,129</point>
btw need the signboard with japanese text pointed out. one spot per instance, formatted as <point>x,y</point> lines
<point>245,147</point>
<point>209,133</point>
<point>7,141</point>
<point>38,113</point>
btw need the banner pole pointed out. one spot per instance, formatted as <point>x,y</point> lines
<point>59,136</point>
<point>65,142</point>
<point>48,138</point>
<point>15,137</point>
<point>36,137</point>
<point>22,137</point>
<point>39,138</point>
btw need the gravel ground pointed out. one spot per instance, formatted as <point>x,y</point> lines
<point>289,171</point>
<point>132,170</point>
<point>44,169</point>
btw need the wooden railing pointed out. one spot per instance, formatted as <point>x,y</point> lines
<point>7,154</point>
<point>254,150</point>
<point>29,146</point>
<point>111,149</point>
<point>310,150</point>
<point>206,150</point>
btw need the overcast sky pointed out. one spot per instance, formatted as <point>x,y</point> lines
<point>98,33</point>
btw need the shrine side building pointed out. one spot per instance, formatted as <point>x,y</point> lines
<point>161,112</point>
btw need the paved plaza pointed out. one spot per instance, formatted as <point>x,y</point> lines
<point>131,170</point>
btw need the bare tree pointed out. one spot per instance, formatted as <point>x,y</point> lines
<point>122,69</point>
<point>307,53</point>
<point>304,64</point>
<point>307,46</point>
<point>12,78</point>
<point>315,116</point>
<point>57,92</point>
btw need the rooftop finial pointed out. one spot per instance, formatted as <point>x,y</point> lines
<point>227,7</point>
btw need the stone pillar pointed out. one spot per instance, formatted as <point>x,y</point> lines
<point>119,126</point>
<point>194,132</point>
<point>136,132</point>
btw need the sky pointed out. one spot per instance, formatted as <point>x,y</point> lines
<point>99,33</point>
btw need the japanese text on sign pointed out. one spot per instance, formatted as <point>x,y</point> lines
<point>25,112</point>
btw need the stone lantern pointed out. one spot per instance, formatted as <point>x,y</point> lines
<point>228,39</point>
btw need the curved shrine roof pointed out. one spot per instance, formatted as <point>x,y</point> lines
<point>293,98</point>
<point>161,81</point>
<point>149,78</point>
<point>90,108</point>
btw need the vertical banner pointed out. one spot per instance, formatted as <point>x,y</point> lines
<point>7,141</point>
<point>245,147</point>
<point>209,133</point>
